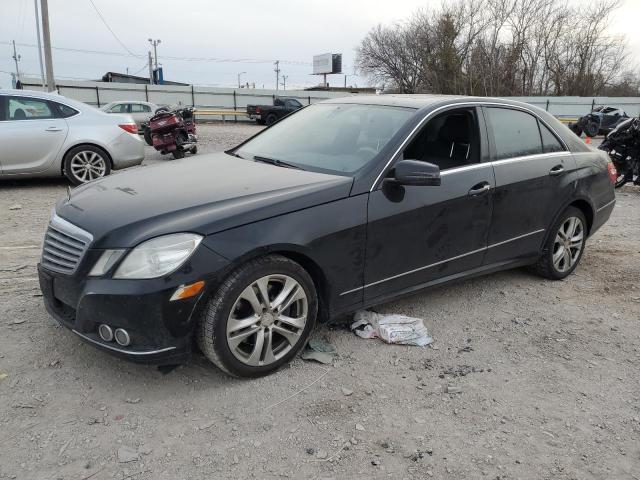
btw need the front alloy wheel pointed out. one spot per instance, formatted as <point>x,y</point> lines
<point>260,317</point>
<point>267,320</point>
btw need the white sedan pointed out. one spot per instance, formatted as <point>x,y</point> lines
<point>48,135</point>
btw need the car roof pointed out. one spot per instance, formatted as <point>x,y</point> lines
<point>418,101</point>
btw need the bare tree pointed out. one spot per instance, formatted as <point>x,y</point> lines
<point>499,47</point>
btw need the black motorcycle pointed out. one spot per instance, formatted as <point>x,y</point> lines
<point>623,147</point>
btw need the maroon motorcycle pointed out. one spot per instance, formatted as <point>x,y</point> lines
<point>172,131</point>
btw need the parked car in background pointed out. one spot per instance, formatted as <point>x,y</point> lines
<point>345,204</point>
<point>48,135</point>
<point>600,121</point>
<point>139,111</point>
<point>269,114</point>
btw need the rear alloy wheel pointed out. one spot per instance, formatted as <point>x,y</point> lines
<point>259,318</point>
<point>565,245</point>
<point>86,163</point>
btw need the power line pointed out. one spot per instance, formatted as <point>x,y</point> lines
<point>185,59</point>
<point>112,32</point>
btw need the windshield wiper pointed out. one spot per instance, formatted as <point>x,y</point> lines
<point>276,162</point>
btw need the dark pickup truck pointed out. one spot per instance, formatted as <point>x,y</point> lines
<point>268,114</point>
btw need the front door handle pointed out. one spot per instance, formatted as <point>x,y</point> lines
<point>479,189</point>
<point>557,170</point>
<point>53,129</point>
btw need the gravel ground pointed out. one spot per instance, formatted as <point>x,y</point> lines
<point>527,379</point>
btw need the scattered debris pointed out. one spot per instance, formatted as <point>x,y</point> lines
<point>321,357</point>
<point>466,349</point>
<point>17,322</point>
<point>14,269</point>
<point>16,206</point>
<point>359,427</point>
<point>3,376</point>
<point>452,389</point>
<point>319,351</point>
<point>398,329</point>
<point>346,391</point>
<point>127,454</point>
<point>132,400</point>
<point>321,455</point>
<point>64,447</point>
<point>310,451</point>
<point>321,346</point>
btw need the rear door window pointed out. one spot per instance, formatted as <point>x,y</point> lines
<point>119,108</point>
<point>515,133</point>
<point>138,108</point>
<point>65,110</point>
<point>550,143</point>
<point>25,108</point>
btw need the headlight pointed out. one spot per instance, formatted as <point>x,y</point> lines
<point>158,256</point>
<point>105,262</point>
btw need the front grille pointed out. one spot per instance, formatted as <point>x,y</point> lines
<point>64,246</point>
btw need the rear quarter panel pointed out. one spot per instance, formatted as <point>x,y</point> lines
<point>594,184</point>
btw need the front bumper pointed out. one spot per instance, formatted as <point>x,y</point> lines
<point>161,330</point>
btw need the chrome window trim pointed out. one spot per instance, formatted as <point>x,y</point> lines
<point>78,112</point>
<point>566,151</point>
<point>493,245</point>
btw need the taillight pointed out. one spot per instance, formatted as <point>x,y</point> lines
<point>129,127</point>
<point>613,173</point>
<point>258,110</point>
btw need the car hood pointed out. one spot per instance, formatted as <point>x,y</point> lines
<point>203,194</point>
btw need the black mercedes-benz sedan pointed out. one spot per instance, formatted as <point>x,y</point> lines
<point>339,206</point>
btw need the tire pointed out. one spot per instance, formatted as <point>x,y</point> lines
<point>591,129</point>
<point>194,150</point>
<point>147,136</point>
<point>552,264</point>
<point>231,345</point>
<point>75,160</point>
<point>271,119</point>
<point>178,153</point>
<point>576,129</point>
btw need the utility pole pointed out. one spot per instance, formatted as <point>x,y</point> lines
<point>284,81</point>
<point>155,44</point>
<point>16,58</point>
<point>277,70</point>
<point>150,68</point>
<point>39,43</point>
<point>46,40</point>
<point>240,74</point>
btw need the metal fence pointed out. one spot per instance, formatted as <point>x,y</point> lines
<point>100,93</point>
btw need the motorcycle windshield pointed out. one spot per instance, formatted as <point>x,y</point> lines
<point>621,126</point>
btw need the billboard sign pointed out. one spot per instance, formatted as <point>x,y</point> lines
<point>327,63</point>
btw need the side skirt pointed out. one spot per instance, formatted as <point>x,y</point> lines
<point>476,272</point>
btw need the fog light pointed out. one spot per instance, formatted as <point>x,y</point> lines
<point>122,337</point>
<point>186,291</point>
<point>105,332</point>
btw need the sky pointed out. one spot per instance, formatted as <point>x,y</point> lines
<point>233,36</point>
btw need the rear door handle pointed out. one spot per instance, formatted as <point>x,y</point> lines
<point>479,189</point>
<point>53,129</point>
<point>557,170</point>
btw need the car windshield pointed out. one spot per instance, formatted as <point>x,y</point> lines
<point>332,138</point>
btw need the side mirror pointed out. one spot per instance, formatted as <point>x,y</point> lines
<point>416,172</point>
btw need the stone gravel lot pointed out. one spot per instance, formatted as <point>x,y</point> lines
<point>527,379</point>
